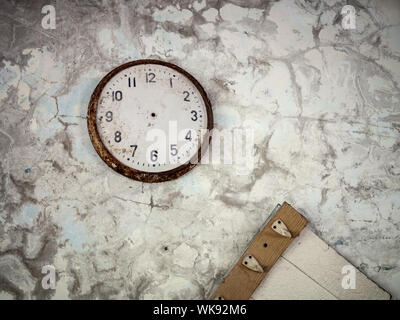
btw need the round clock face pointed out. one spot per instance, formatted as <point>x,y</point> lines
<point>150,120</point>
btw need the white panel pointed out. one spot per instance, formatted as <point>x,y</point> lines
<point>286,282</point>
<point>308,266</point>
<point>323,264</point>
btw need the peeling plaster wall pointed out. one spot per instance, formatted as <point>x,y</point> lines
<point>324,103</point>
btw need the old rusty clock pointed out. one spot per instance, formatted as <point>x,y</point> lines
<point>150,120</point>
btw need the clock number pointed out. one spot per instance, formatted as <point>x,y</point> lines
<point>194,113</point>
<point>117,95</point>
<point>117,136</point>
<point>170,82</point>
<point>174,150</point>
<point>131,82</point>
<point>154,155</point>
<point>186,98</point>
<point>109,116</point>
<point>150,77</point>
<point>134,146</point>
<point>189,136</point>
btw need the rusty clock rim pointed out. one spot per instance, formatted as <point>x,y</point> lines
<point>118,166</point>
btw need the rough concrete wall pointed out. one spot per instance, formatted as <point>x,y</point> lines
<point>324,103</point>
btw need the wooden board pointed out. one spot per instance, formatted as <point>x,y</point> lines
<point>302,268</point>
<point>241,282</point>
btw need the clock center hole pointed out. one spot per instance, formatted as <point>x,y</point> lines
<point>153,114</point>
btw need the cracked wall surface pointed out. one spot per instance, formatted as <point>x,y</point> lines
<point>324,103</point>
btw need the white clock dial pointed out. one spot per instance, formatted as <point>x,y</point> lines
<point>152,117</point>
